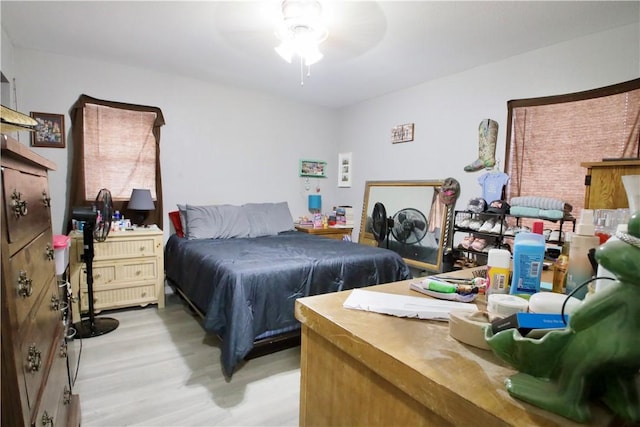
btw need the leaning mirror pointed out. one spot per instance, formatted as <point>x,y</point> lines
<point>409,218</point>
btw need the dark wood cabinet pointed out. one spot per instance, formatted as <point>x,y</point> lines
<point>35,383</point>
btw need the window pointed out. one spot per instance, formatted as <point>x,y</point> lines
<point>116,146</point>
<point>549,137</point>
<point>119,151</point>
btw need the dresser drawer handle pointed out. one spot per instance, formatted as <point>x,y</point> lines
<point>46,420</point>
<point>34,359</point>
<point>138,272</point>
<point>66,395</point>
<point>18,205</point>
<point>49,253</point>
<point>142,248</point>
<point>55,303</point>
<point>25,285</point>
<point>46,200</point>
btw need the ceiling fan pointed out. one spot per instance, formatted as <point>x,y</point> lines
<point>250,27</point>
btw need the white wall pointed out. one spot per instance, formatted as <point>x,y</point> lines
<point>447,112</point>
<point>219,144</point>
<point>227,145</point>
<point>7,68</point>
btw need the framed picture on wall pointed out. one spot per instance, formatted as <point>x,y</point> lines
<point>344,170</point>
<point>402,133</point>
<point>49,130</point>
<point>314,168</point>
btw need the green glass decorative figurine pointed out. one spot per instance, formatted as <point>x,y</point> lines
<point>597,356</point>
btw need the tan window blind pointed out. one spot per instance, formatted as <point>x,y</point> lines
<point>119,151</point>
<point>548,141</point>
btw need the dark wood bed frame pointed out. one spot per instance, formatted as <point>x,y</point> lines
<point>262,346</point>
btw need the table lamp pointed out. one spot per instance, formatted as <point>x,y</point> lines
<point>142,203</point>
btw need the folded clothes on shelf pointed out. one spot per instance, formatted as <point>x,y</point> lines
<point>552,214</point>
<point>547,203</point>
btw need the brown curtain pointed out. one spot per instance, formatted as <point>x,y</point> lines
<point>549,137</point>
<point>77,191</point>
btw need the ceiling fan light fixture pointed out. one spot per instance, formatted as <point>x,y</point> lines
<point>285,51</point>
<point>301,32</point>
<point>311,56</point>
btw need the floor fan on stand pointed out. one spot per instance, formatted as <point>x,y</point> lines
<point>97,224</point>
<point>380,224</point>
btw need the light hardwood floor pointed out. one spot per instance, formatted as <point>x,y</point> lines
<point>160,368</point>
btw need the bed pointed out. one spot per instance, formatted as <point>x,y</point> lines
<point>245,286</point>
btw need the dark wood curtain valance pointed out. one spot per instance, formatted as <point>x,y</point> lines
<point>76,195</point>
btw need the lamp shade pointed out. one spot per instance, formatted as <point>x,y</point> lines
<point>141,200</point>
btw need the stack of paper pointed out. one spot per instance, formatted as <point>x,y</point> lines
<point>404,306</point>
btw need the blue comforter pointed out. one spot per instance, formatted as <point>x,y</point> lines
<point>247,287</point>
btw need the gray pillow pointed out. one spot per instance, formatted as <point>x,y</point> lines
<point>268,219</point>
<point>280,217</point>
<point>216,222</point>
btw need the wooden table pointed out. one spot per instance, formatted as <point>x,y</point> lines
<point>337,233</point>
<point>362,368</point>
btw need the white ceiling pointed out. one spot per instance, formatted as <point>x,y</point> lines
<point>373,47</point>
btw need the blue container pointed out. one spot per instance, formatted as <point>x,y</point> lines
<point>528,258</point>
<point>315,203</point>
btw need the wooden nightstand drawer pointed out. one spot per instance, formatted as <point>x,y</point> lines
<point>118,297</point>
<point>123,248</point>
<point>336,233</point>
<point>122,271</point>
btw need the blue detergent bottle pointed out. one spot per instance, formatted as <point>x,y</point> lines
<point>528,258</point>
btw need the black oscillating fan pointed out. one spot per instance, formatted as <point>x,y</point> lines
<point>380,224</point>
<point>410,226</point>
<point>97,223</point>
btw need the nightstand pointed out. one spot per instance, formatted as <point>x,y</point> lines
<point>128,270</point>
<point>337,233</point>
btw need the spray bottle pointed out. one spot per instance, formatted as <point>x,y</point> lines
<point>584,239</point>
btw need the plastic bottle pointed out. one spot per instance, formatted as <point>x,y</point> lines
<point>560,270</point>
<point>584,239</point>
<point>498,265</point>
<point>528,257</point>
<point>602,284</point>
<point>538,227</point>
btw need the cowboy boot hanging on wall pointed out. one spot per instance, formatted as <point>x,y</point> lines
<point>487,135</point>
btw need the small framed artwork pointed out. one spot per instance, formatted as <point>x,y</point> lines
<point>402,133</point>
<point>49,130</point>
<point>314,168</point>
<point>344,169</point>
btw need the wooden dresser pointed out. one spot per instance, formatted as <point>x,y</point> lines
<point>35,383</point>
<point>128,270</point>
<point>603,183</point>
<point>360,368</point>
